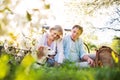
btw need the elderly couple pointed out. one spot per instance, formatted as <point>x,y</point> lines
<point>69,48</point>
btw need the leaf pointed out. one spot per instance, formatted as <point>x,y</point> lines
<point>28,15</point>
<point>27,61</point>
<point>115,57</point>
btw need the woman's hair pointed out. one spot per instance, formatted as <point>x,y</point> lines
<point>79,27</point>
<point>58,28</point>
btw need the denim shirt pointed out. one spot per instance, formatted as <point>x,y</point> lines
<point>73,50</point>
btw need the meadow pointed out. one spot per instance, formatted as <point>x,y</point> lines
<point>24,71</point>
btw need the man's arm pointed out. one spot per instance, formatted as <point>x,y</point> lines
<point>88,59</point>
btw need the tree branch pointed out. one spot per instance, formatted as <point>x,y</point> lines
<point>109,28</point>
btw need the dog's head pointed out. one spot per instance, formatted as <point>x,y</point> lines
<point>43,53</point>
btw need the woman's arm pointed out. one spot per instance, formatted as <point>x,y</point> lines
<point>60,55</point>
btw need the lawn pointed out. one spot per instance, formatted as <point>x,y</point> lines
<point>66,71</point>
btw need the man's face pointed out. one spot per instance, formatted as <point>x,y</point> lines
<point>75,33</point>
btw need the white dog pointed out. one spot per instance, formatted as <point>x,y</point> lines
<point>43,54</point>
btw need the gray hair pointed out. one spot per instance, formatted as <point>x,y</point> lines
<point>58,28</point>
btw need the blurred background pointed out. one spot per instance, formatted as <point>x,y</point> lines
<point>22,21</point>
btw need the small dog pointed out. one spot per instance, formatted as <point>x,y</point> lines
<point>43,53</point>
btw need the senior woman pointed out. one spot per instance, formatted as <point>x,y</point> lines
<point>53,39</point>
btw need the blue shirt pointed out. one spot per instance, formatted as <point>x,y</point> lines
<point>73,50</point>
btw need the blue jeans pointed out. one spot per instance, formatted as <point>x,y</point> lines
<point>50,62</point>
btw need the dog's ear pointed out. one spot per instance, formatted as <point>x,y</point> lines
<point>41,48</point>
<point>40,52</point>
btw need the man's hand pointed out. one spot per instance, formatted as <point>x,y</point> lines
<point>90,62</point>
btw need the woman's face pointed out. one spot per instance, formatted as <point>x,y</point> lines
<point>75,33</point>
<point>54,35</point>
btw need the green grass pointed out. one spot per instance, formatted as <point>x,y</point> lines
<point>64,72</point>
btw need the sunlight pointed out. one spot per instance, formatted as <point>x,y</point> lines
<point>26,5</point>
<point>59,13</point>
<point>105,36</point>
